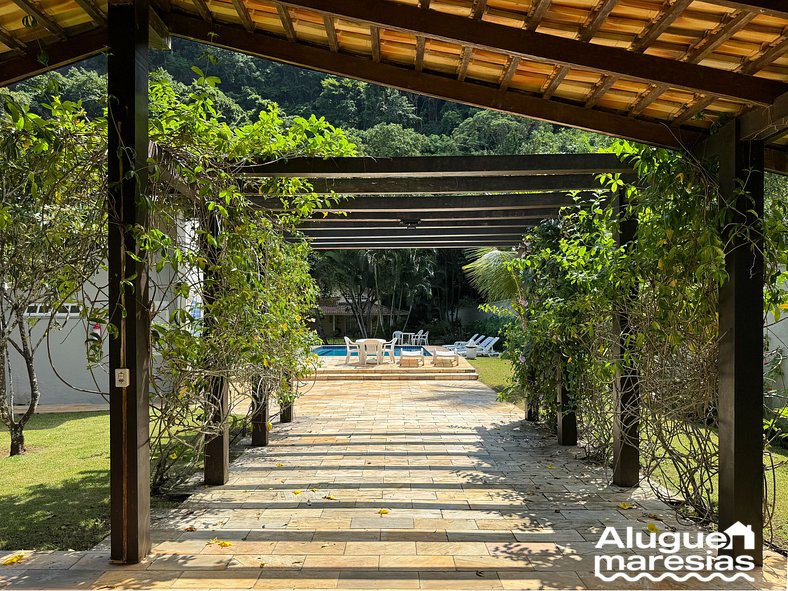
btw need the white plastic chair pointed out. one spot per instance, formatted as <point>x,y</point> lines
<point>463,344</point>
<point>414,340</point>
<point>487,349</point>
<point>479,346</point>
<point>350,348</point>
<point>423,338</point>
<point>389,347</point>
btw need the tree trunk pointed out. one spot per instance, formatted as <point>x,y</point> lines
<point>17,440</point>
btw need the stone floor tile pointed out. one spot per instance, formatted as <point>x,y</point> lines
<point>451,548</point>
<point>318,561</point>
<point>460,580</point>
<point>268,561</point>
<point>381,548</point>
<point>381,579</point>
<point>303,579</point>
<point>541,580</point>
<point>309,548</point>
<point>229,579</point>
<point>135,580</point>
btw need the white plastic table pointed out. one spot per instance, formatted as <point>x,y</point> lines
<point>368,347</point>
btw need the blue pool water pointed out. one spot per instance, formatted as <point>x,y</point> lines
<point>339,350</point>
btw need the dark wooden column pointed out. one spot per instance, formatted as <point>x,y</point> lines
<point>626,422</point>
<point>129,341</point>
<point>741,339</point>
<point>567,419</point>
<point>217,449</point>
<point>260,416</point>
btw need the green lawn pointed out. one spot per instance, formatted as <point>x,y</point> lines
<point>56,497</point>
<point>493,371</point>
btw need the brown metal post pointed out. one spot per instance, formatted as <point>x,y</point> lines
<point>129,341</point>
<point>261,417</point>
<point>216,468</point>
<point>567,419</point>
<point>626,423</point>
<point>741,340</point>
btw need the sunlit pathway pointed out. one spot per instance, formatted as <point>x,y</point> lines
<point>397,484</point>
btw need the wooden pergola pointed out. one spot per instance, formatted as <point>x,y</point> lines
<point>438,202</point>
<point>709,76</point>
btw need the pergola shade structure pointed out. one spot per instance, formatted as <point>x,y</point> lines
<point>438,202</point>
<point>653,71</point>
<point>707,75</point>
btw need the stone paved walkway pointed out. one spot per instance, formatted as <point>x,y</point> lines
<point>393,485</point>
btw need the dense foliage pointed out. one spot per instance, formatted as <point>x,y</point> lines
<point>572,277</point>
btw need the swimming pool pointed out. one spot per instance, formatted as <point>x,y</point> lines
<point>339,350</point>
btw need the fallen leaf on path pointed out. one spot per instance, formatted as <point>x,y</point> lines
<point>16,558</point>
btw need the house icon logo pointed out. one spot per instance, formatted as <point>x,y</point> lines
<point>745,531</point>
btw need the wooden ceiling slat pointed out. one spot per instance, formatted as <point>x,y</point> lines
<point>705,46</point>
<point>696,107</point>
<point>45,21</point>
<point>543,47</point>
<point>346,233</point>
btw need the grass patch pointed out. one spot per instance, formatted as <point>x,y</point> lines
<point>56,496</point>
<point>493,371</point>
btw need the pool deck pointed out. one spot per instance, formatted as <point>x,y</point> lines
<point>334,368</point>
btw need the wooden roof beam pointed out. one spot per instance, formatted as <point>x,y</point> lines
<point>465,60</point>
<point>455,185</point>
<point>287,22</point>
<point>63,53</point>
<point>331,33</point>
<point>374,34</point>
<point>436,166</point>
<point>515,215</point>
<point>536,14</point>
<point>41,18</point>
<point>405,232</point>
<point>421,43</point>
<point>478,95</point>
<point>551,48</point>
<point>243,14</point>
<point>400,243</point>
<point>440,203</point>
<point>509,72</point>
<point>318,225</point>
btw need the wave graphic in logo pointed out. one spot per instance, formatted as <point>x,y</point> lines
<point>675,577</point>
